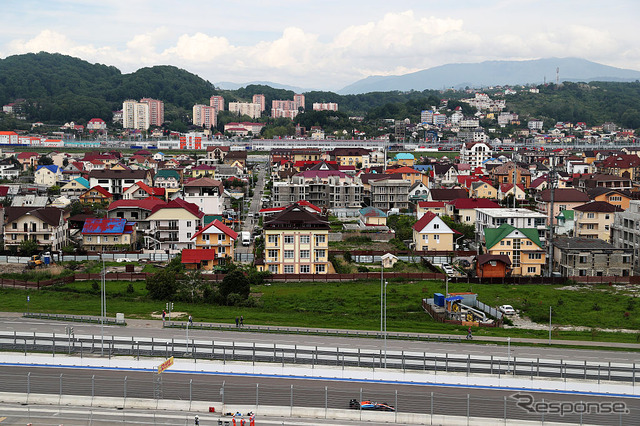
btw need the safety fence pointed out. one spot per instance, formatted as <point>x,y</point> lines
<point>494,365</point>
<point>320,399</point>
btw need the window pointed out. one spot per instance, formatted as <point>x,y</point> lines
<point>534,256</point>
<point>582,273</point>
<point>436,238</point>
<point>467,218</point>
<point>273,254</point>
<point>305,269</point>
<point>583,259</point>
<point>320,239</point>
<point>304,239</point>
<point>436,226</point>
<point>320,269</point>
<point>288,254</point>
<point>288,269</point>
<point>590,226</point>
<point>14,225</point>
<point>304,254</point>
<point>188,224</point>
<point>221,237</point>
<point>502,243</point>
<point>289,239</point>
<point>273,239</point>
<point>531,269</point>
<point>425,238</point>
<point>89,239</point>
<point>273,269</point>
<point>508,242</point>
<point>319,253</point>
<point>189,235</point>
<point>591,215</point>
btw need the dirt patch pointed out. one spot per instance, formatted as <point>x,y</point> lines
<point>526,323</point>
<point>174,315</point>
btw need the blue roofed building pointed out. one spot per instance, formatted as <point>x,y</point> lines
<point>108,234</point>
<point>371,216</point>
<point>48,175</point>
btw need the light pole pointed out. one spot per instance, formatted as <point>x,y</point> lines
<point>187,337</point>
<point>508,354</point>
<point>103,305</point>
<point>28,299</point>
<point>385,324</point>
<point>549,324</point>
<point>381,294</point>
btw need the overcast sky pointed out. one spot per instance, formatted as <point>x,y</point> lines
<point>319,44</point>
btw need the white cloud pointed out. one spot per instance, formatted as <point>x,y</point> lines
<point>395,43</point>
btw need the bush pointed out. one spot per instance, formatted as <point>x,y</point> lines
<point>363,268</point>
<point>347,257</point>
<point>130,289</point>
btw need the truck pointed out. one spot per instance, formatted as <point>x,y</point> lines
<point>246,238</point>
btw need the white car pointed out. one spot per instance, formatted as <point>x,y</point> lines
<point>448,269</point>
<point>507,310</point>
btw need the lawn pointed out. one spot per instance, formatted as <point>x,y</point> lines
<point>356,305</point>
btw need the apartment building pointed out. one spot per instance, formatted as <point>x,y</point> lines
<point>594,220</point>
<point>156,111</point>
<point>217,103</point>
<point>174,224</point>
<point>204,116</point>
<point>475,153</point>
<point>135,115</point>
<point>260,100</point>
<point>296,242</point>
<point>117,181</point>
<point>625,232</point>
<point>325,106</point>
<point>331,190</point>
<point>207,193</point>
<point>390,193</point>
<point>253,110</point>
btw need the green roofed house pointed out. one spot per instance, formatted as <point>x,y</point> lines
<point>522,245</point>
<point>169,179</point>
<point>565,223</point>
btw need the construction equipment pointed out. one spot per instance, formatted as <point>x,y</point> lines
<point>35,262</point>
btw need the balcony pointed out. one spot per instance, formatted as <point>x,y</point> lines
<point>167,228</point>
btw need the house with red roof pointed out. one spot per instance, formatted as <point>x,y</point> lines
<point>430,233</point>
<point>141,190</point>
<point>410,174</point>
<point>507,189</point>
<point>436,207</point>
<point>28,159</point>
<point>218,237</point>
<point>134,210</point>
<point>96,195</point>
<point>173,225</point>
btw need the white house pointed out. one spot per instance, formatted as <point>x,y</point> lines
<point>47,175</point>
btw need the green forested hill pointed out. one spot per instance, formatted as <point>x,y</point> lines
<point>60,88</point>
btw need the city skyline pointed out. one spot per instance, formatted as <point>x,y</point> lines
<point>323,46</point>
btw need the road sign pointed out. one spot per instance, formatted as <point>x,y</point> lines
<point>168,363</point>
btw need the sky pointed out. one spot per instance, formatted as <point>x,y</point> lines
<point>319,44</point>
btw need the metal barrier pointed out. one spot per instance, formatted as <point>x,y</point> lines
<point>74,318</point>
<point>224,351</point>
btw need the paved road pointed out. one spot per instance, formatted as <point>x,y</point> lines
<point>151,328</point>
<point>249,223</point>
<point>244,390</point>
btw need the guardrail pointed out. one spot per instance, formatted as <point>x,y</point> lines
<point>317,355</point>
<point>73,318</point>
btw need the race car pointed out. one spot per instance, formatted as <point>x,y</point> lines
<point>370,405</point>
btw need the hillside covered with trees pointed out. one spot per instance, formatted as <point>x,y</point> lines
<point>58,88</point>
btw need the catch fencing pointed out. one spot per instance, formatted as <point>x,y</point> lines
<point>495,366</point>
<point>305,399</point>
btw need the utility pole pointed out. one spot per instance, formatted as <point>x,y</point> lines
<point>552,183</point>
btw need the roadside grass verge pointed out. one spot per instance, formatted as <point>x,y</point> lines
<point>356,305</point>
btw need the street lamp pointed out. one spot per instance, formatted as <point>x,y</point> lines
<point>385,324</point>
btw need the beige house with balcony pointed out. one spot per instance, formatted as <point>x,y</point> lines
<point>296,242</point>
<point>594,220</point>
<point>430,233</point>
<point>44,225</point>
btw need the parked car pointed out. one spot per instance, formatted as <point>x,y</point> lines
<point>448,269</point>
<point>370,405</point>
<point>507,310</point>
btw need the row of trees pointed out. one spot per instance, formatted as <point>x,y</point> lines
<point>176,283</point>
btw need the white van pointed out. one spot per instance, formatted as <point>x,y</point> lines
<point>246,238</point>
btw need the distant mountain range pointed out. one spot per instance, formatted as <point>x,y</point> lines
<point>492,73</point>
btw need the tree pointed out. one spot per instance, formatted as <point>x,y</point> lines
<point>162,285</point>
<point>53,190</point>
<point>45,161</point>
<point>191,287</point>
<point>234,285</point>
<point>29,247</point>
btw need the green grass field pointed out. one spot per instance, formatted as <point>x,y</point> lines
<point>356,305</point>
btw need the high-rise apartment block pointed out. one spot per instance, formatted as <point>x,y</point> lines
<point>204,116</point>
<point>287,109</point>
<point>325,106</point>
<point>245,108</point>
<point>156,111</point>
<point>260,99</point>
<point>135,115</point>
<point>217,102</point>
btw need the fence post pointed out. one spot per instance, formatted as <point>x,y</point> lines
<point>291,403</point>
<point>53,344</point>
<point>257,395</point>
<point>125,388</point>
<point>60,385</point>
<point>190,392</point>
<point>468,364</point>
<point>28,384</point>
